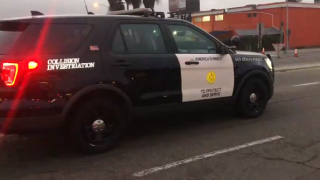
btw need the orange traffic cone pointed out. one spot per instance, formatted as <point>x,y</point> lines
<point>263,52</point>
<point>296,53</point>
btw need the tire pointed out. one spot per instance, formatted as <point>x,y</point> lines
<point>245,106</point>
<point>91,138</point>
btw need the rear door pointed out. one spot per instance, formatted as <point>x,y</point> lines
<point>12,33</point>
<point>138,58</point>
<point>61,56</point>
<point>205,74</point>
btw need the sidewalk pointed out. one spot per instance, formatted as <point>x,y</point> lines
<point>291,52</point>
<point>291,67</point>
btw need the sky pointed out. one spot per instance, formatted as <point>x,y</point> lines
<point>19,8</point>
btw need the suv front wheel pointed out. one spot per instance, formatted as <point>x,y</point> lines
<point>253,98</point>
<point>97,126</point>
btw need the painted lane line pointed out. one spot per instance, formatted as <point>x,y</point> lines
<point>204,156</point>
<point>306,84</point>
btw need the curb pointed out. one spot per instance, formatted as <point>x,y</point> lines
<point>299,50</point>
<point>296,67</point>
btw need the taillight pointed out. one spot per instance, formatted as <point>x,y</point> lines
<point>9,73</point>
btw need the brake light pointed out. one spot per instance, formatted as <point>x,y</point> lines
<point>9,73</point>
<point>32,65</point>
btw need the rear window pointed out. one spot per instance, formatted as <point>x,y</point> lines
<point>9,35</point>
<point>58,38</point>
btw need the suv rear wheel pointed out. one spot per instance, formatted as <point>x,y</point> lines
<point>253,98</point>
<point>97,126</point>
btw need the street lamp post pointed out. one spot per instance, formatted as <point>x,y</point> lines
<point>85,4</point>
<point>97,4</point>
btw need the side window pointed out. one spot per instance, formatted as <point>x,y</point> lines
<point>118,46</point>
<point>191,41</point>
<point>58,38</point>
<point>143,38</point>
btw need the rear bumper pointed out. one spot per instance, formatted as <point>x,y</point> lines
<point>29,124</point>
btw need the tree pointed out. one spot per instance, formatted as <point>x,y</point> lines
<point>128,2</point>
<point>117,5</point>
<point>150,3</point>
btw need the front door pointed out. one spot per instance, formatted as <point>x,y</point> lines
<point>204,73</point>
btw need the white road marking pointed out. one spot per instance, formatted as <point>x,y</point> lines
<point>306,84</point>
<point>204,156</point>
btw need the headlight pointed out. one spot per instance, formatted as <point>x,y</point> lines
<point>269,63</point>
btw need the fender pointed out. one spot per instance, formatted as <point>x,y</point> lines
<point>254,73</point>
<point>86,90</point>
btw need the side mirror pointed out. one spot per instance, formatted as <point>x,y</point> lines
<point>235,40</point>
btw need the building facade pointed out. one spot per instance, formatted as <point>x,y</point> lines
<point>304,26</point>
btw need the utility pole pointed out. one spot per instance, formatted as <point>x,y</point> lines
<point>287,44</point>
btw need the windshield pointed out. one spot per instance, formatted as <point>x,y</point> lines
<point>9,34</point>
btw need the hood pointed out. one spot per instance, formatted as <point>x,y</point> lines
<point>248,53</point>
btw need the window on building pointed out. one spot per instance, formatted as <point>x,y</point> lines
<point>219,17</point>
<point>249,15</point>
<point>197,19</point>
<point>206,19</point>
<point>254,14</point>
<point>142,39</point>
<point>190,41</point>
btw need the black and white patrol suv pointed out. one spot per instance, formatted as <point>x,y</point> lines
<point>89,73</point>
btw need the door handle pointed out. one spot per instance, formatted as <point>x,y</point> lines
<point>191,62</point>
<point>122,63</point>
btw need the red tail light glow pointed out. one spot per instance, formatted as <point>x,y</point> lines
<point>32,65</point>
<point>9,73</point>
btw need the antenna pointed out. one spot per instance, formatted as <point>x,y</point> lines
<point>36,13</point>
<point>85,4</point>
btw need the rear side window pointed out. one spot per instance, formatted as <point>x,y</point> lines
<point>58,38</point>
<point>118,44</point>
<point>139,39</point>
<point>10,32</point>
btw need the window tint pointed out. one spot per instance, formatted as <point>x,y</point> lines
<point>59,38</point>
<point>118,44</point>
<point>143,38</point>
<point>9,35</point>
<point>191,41</point>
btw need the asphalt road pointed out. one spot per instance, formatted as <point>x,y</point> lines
<point>293,115</point>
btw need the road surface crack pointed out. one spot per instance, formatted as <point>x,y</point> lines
<point>295,98</point>
<point>306,146</point>
<point>302,163</point>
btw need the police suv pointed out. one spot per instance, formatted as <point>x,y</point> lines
<point>89,73</point>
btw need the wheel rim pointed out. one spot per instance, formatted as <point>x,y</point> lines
<point>255,98</point>
<point>98,127</point>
